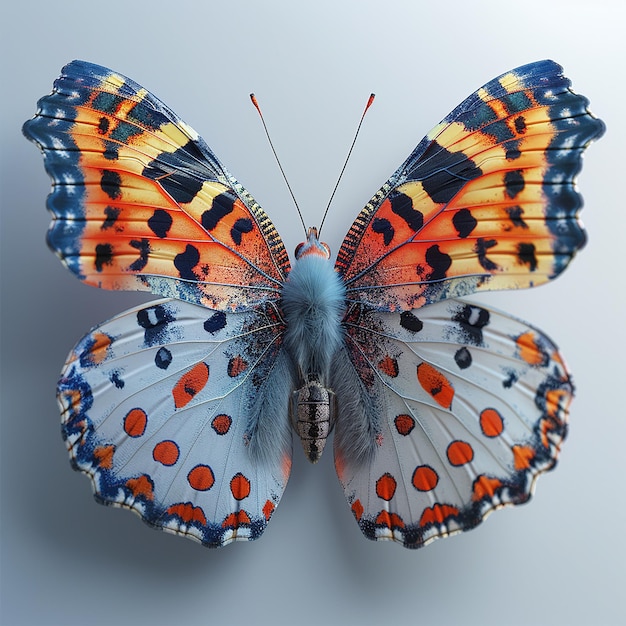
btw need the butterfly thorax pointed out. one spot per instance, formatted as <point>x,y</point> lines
<point>313,303</point>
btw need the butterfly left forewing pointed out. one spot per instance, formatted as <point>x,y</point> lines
<point>470,406</point>
<point>486,200</point>
<point>160,408</point>
<point>140,202</point>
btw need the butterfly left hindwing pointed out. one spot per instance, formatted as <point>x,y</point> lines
<point>157,408</point>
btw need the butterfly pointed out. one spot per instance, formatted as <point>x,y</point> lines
<point>443,410</point>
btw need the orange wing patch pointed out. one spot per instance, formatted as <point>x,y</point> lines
<point>486,201</point>
<point>141,203</point>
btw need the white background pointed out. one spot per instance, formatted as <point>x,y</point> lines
<point>67,560</point>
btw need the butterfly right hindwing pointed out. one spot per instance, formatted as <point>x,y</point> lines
<point>470,406</point>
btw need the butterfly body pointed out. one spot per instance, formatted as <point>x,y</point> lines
<point>183,409</point>
<point>313,303</point>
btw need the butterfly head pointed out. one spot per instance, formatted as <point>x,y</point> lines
<point>313,246</point>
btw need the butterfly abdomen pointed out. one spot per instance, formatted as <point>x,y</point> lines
<point>313,417</point>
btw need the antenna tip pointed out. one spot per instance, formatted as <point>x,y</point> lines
<point>255,102</point>
<point>369,102</point>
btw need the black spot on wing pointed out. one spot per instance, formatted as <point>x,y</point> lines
<point>439,261</point>
<point>104,256</point>
<point>222,205</point>
<point>103,125</point>
<point>240,227</point>
<point>155,321</point>
<point>111,151</point>
<point>186,261</point>
<point>111,215</point>
<point>481,248</point>
<point>514,183</point>
<point>181,173</point>
<point>510,380</point>
<point>383,227</point>
<point>116,378</point>
<point>143,245</point>
<point>160,223</point>
<point>163,358</point>
<point>520,125</point>
<point>463,358</point>
<point>111,184</point>
<point>527,256</point>
<point>512,150</point>
<point>216,322</point>
<point>409,321</point>
<point>515,215</point>
<point>124,132</point>
<point>146,116</point>
<point>107,102</point>
<point>464,222</point>
<point>471,320</point>
<point>402,206</point>
<point>443,173</point>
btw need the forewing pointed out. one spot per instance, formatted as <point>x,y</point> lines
<point>140,202</point>
<point>471,406</point>
<point>485,201</point>
<point>158,408</point>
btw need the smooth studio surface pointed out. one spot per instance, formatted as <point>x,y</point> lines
<point>67,560</point>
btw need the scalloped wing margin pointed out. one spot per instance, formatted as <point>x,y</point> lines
<point>468,405</point>
<point>486,201</point>
<point>141,203</point>
<point>158,409</point>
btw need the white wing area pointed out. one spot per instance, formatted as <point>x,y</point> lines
<point>469,406</point>
<point>158,408</point>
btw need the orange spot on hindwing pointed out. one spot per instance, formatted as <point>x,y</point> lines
<point>99,348</point>
<point>240,486</point>
<point>268,509</point>
<point>201,478</point>
<point>435,384</point>
<point>459,453</point>
<point>389,366</point>
<point>190,384</point>
<point>357,509</point>
<point>166,452</point>
<point>386,487</point>
<point>235,520</point>
<point>141,486</point>
<point>390,520</point>
<point>437,514</point>
<point>404,424</point>
<point>188,513</point>
<point>522,457</point>
<point>491,423</point>
<point>103,456</point>
<point>425,478</point>
<point>236,366</point>
<point>529,349</point>
<point>485,487</point>
<point>135,422</point>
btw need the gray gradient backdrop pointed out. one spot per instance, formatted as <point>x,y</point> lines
<point>67,560</point>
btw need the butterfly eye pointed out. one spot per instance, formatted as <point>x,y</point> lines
<point>327,248</point>
<point>298,249</point>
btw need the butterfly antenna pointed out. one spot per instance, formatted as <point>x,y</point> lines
<point>343,169</point>
<point>258,108</point>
